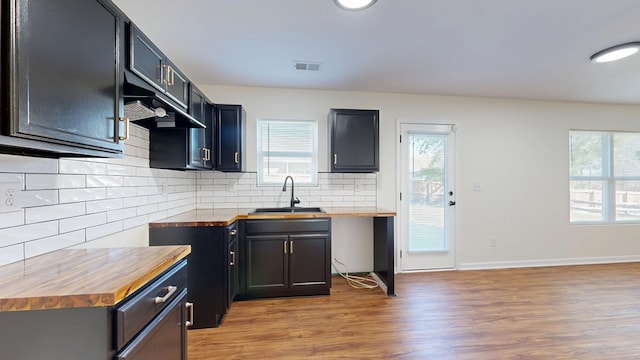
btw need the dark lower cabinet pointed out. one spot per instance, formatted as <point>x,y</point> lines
<point>61,78</point>
<point>208,267</point>
<point>286,257</point>
<point>234,263</point>
<point>140,327</point>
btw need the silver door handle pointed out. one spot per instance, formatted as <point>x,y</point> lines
<point>170,290</point>
<point>189,306</point>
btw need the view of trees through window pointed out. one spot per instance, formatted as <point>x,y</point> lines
<point>604,173</point>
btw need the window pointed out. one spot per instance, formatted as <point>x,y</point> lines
<point>604,177</point>
<point>287,147</point>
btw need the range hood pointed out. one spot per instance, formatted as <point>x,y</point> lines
<point>145,106</point>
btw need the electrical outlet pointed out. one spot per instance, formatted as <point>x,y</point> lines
<point>494,242</point>
<point>10,197</point>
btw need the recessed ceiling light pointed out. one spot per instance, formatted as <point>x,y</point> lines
<point>354,4</point>
<point>615,52</point>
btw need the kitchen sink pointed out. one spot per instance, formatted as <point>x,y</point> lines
<point>287,210</point>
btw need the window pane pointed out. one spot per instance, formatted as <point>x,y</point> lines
<point>626,154</point>
<point>585,153</point>
<point>627,200</point>
<point>287,147</point>
<point>585,200</point>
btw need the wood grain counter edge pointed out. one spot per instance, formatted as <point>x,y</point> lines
<point>72,278</point>
<point>226,217</point>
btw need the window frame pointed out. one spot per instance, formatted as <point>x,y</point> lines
<point>313,155</point>
<point>608,178</point>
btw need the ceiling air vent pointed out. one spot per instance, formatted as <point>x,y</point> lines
<point>308,66</point>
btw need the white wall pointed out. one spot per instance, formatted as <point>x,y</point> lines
<point>517,150</point>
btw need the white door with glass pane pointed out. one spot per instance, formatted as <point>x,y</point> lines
<point>427,202</point>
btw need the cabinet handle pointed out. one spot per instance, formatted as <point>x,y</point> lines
<point>125,120</point>
<point>236,157</point>
<point>291,246</point>
<point>208,154</point>
<point>285,246</point>
<point>170,290</point>
<point>164,74</point>
<point>189,306</point>
<point>335,159</point>
<point>233,232</point>
<point>171,77</point>
<point>233,258</point>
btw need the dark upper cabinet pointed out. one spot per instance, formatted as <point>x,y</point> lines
<point>61,79</point>
<point>354,138</point>
<point>229,134</point>
<point>149,63</point>
<point>183,148</point>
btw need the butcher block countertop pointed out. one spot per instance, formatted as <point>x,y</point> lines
<point>71,278</point>
<point>224,217</point>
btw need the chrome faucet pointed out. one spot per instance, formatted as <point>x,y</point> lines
<point>294,200</point>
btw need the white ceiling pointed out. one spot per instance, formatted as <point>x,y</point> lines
<point>531,49</point>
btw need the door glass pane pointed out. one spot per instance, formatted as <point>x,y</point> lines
<point>427,203</point>
<point>627,200</point>
<point>586,200</point>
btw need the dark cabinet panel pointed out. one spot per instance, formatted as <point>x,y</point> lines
<point>285,258</point>
<point>207,268</point>
<point>354,140</point>
<point>200,140</point>
<point>267,262</point>
<point>62,80</point>
<point>234,263</point>
<point>229,134</point>
<point>149,63</point>
<point>308,263</point>
<point>182,148</point>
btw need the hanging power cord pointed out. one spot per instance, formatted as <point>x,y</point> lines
<point>357,282</point>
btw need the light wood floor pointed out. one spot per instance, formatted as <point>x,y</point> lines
<point>577,312</point>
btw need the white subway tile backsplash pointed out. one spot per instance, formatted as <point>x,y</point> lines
<point>69,166</point>
<point>81,222</point>
<point>11,254</point>
<point>71,201</point>
<point>20,234</point>
<point>26,164</point>
<point>78,195</point>
<point>53,212</point>
<point>37,247</point>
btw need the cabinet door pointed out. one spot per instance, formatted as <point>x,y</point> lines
<point>64,76</point>
<point>233,280</point>
<point>145,59</point>
<point>354,140</point>
<point>199,139</point>
<point>266,262</point>
<point>177,84</point>
<point>309,260</point>
<point>229,138</point>
<point>206,265</point>
<point>164,338</point>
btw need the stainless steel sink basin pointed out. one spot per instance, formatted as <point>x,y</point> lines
<point>287,210</point>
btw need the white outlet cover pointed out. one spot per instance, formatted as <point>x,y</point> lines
<point>10,197</point>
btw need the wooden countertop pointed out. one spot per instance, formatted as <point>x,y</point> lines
<point>224,217</point>
<point>82,277</point>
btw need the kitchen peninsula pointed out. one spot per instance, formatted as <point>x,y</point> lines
<point>94,304</point>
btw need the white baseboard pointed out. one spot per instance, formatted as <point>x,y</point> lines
<point>548,262</point>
